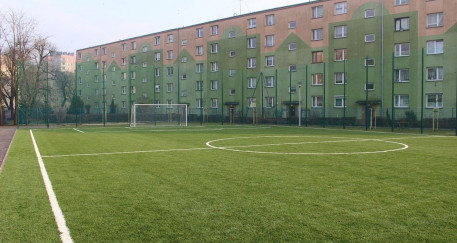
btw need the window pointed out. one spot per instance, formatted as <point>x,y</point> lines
<point>369,38</point>
<point>434,20</point>
<point>169,87</point>
<point>157,40</point>
<point>401,2</point>
<point>124,61</point>
<point>145,48</point>
<point>213,84</point>
<point>170,102</point>
<point>434,100</point>
<point>214,47</point>
<point>145,80</point>
<point>124,47</point>
<point>170,71</point>
<point>435,47</point>
<point>199,103</point>
<point>124,90</point>
<point>199,86</point>
<point>402,24</point>
<point>113,54</point>
<point>318,79</point>
<point>114,68</point>
<point>124,104</point>
<point>292,46</point>
<point>270,40</point>
<point>317,101</point>
<point>269,81</point>
<point>252,102</point>
<point>157,72</point>
<point>270,20</point>
<point>401,75</point>
<point>252,23</point>
<point>252,83</point>
<point>318,56</point>
<point>340,54</point>
<point>97,92</point>
<point>104,51</point>
<point>252,43</point>
<point>340,31</point>
<point>232,92</point>
<point>215,30</point>
<point>170,38</point>
<point>80,81</point>
<point>184,76</point>
<point>401,101</point>
<point>270,60</point>
<point>292,90</point>
<point>145,95</point>
<point>369,62</point>
<point>199,50</point>
<point>252,62</point>
<point>232,53</point>
<point>213,102</point>
<point>318,34</point>
<point>340,101</point>
<point>157,56</point>
<point>184,59</point>
<point>434,73</point>
<point>369,86</point>
<point>232,34</point>
<point>339,78</point>
<point>402,50</point>
<point>214,67</point>
<point>132,75</point>
<point>184,42</point>
<point>199,67</point>
<point>292,68</point>
<point>97,52</point>
<point>124,76</point>
<point>340,8</point>
<point>292,25</point>
<point>79,55</point>
<point>97,66</point>
<point>232,72</point>
<point>133,45</point>
<point>318,12</point>
<point>269,102</point>
<point>133,60</point>
<point>169,54</point>
<point>369,13</point>
<point>200,33</point>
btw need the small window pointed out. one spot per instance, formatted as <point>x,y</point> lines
<point>318,12</point>
<point>169,87</point>
<point>199,50</point>
<point>232,34</point>
<point>184,76</point>
<point>340,101</point>
<point>232,54</point>
<point>269,102</point>
<point>145,48</point>
<point>270,61</point>
<point>215,30</point>
<point>232,72</point>
<point>270,20</point>
<point>184,59</point>
<point>402,24</point>
<point>369,38</point>
<point>124,47</point>
<point>369,13</point>
<point>434,73</point>
<point>169,71</point>
<point>200,33</point>
<point>340,8</point>
<point>317,79</point>
<point>292,46</point>
<point>145,64</point>
<point>184,93</point>
<point>292,68</point>
<point>252,23</point>
<point>214,67</point>
<point>269,81</point>
<point>232,92</point>
<point>435,47</point>
<point>369,86</point>
<point>317,101</point>
<point>145,80</point>
<point>401,75</point>
<point>252,43</point>
<point>213,84</point>
<point>199,86</point>
<point>133,45</point>
<point>340,54</point>
<point>369,62</point>
<point>339,78</point>
<point>184,42</point>
<point>401,101</point>
<point>435,20</point>
<point>252,83</point>
<point>269,40</point>
<point>434,100</point>
<point>252,62</point>
<point>157,56</point>
<point>401,2</point>
<point>318,56</point>
<point>318,34</point>
<point>214,47</point>
<point>402,50</point>
<point>341,31</point>
<point>292,25</point>
<point>170,38</point>
<point>169,55</point>
<point>157,40</point>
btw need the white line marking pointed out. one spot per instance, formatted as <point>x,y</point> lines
<point>78,130</point>
<point>58,214</point>
<point>115,153</point>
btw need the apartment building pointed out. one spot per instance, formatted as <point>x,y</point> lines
<point>331,58</point>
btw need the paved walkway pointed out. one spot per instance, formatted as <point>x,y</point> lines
<point>6,137</point>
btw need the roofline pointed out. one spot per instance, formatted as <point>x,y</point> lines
<point>208,22</point>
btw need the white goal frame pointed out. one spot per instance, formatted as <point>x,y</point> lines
<point>134,122</point>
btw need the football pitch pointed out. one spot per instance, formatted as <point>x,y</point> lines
<point>228,184</point>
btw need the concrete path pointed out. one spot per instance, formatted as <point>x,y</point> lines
<point>6,137</point>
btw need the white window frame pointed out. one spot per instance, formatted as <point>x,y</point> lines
<point>199,86</point>
<point>200,51</point>
<point>318,11</point>
<point>214,67</point>
<point>370,13</point>
<point>269,102</point>
<point>214,84</point>
<point>317,101</point>
<point>318,34</point>
<point>317,79</point>
<point>343,54</point>
<point>200,32</point>
<point>401,2</point>
<point>270,61</point>
<point>252,62</point>
<point>341,31</point>
<point>170,54</point>
<point>401,101</point>
<point>402,24</point>
<point>370,38</point>
<point>437,97</point>
<point>270,20</point>
<point>214,47</point>
<point>232,53</point>
<point>365,86</point>
<point>170,38</point>
<point>215,30</point>
<point>438,20</point>
<point>338,76</point>
<point>400,75</point>
<point>252,83</point>
<point>252,43</point>
<point>169,87</point>
<point>292,46</point>
<point>199,103</point>
<point>292,25</point>
<point>270,40</point>
<point>269,81</point>
<point>232,34</point>
<point>369,60</point>
<point>157,40</point>
<point>343,101</point>
<point>437,48</point>
<point>214,103</point>
<point>340,8</point>
<point>252,23</point>
<point>402,49</point>
<point>439,74</point>
<point>157,56</point>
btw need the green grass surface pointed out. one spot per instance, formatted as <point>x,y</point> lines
<point>262,184</point>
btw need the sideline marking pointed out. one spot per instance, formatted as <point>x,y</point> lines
<point>209,144</point>
<point>76,129</point>
<point>58,214</point>
<point>115,153</point>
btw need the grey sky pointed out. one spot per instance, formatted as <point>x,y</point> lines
<point>76,24</point>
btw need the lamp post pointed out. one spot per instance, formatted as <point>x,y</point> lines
<point>299,104</point>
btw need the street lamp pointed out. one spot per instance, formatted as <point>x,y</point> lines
<point>299,104</point>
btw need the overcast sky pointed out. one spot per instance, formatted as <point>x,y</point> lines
<point>77,24</point>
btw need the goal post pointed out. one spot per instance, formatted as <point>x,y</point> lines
<point>159,114</point>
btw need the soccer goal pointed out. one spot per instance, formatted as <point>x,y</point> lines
<point>159,114</point>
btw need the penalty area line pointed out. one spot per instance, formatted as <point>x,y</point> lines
<point>128,152</point>
<point>58,214</point>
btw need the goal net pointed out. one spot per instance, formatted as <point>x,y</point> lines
<point>159,114</point>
